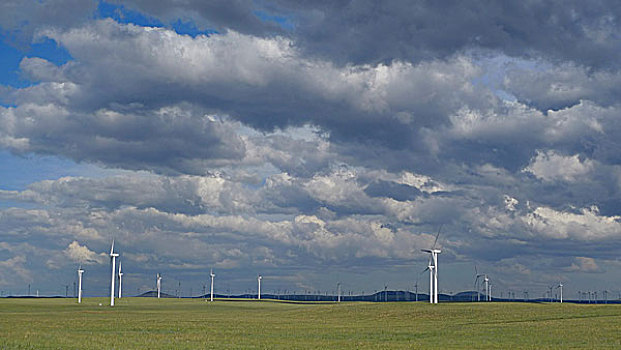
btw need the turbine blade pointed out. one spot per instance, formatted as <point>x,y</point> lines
<point>437,235</point>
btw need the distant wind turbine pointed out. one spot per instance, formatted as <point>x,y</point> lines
<point>487,288</point>
<point>430,267</point>
<point>433,269</point>
<point>159,285</point>
<point>113,257</point>
<point>120,281</point>
<point>259,289</point>
<point>212,275</point>
<point>80,272</point>
<point>477,285</point>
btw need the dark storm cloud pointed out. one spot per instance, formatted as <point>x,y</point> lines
<point>363,31</point>
<point>560,86</point>
<point>366,31</point>
<point>168,139</point>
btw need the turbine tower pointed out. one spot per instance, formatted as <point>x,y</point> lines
<point>158,283</point>
<point>487,290</point>
<point>259,281</point>
<point>113,257</point>
<point>477,283</point>
<point>430,268</point>
<point>338,292</point>
<point>433,270</point>
<point>560,287</point>
<point>120,280</point>
<point>80,272</point>
<point>212,275</point>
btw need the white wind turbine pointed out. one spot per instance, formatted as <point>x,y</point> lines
<point>560,287</point>
<point>158,283</point>
<point>487,289</point>
<point>433,270</point>
<point>212,275</point>
<point>120,280</point>
<point>430,267</point>
<point>80,272</point>
<point>477,285</point>
<point>259,290</point>
<point>113,257</point>
<point>338,292</point>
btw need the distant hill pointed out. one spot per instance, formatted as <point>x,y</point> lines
<point>153,294</point>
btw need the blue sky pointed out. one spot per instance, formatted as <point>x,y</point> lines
<point>311,144</point>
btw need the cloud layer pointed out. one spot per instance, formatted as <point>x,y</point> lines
<point>291,137</point>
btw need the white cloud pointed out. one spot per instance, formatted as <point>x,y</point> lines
<point>550,166</point>
<point>81,254</point>
<point>587,224</point>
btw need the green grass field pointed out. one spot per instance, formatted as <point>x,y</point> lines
<point>145,323</point>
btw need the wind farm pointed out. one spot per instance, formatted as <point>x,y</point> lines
<point>284,319</point>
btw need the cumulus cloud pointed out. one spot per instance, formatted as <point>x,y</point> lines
<point>583,264</point>
<point>21,19</point>
<point>171,139</point>
<point>548,86</point>
<point>550,166</point>
<point>81,254</point>
<point>584,224</point>
<point>233,74</point>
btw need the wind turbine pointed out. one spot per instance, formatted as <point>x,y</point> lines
<point>560,288</point>
<point>212,275</point>
<point>477,286</point>
<point>430,267</point>
<point>80,272</point>
<point>159,285</point>
<point>113,257</point>
<point>338,292</point>
<point>487,289</point>
<point>259,290</point>
<point>120,280</point>
<point>433,270</point>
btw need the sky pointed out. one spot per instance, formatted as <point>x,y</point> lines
<point>310,142</point>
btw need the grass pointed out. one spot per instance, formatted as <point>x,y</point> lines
<point>141,323</point>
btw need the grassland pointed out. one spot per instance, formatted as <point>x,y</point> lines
<point>144,323</point>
